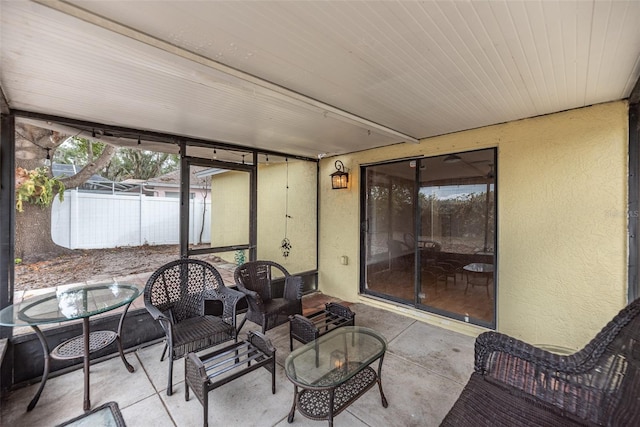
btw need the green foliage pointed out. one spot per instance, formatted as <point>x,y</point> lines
<point>36,187</point>
<point>78,151</point>
<point>127,163</point>
<point>239,257</point>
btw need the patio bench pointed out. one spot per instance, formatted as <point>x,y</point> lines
<point>212,370</point>
<point>518,384</point>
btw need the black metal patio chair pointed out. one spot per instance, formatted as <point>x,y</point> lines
<point>175,296</point>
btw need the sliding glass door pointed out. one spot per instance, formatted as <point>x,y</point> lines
<point>428,236</point>
<point>389,258</point>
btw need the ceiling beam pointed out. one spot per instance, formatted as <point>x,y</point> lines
<point>101,131</point>
<point>270,89</point>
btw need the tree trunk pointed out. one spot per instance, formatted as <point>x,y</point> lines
<point>33,241</point>
<point>33,235</point>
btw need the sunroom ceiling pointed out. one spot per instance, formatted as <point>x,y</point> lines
<point>309,78</point>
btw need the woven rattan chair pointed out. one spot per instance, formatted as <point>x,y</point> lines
<point>175,294</point>
<point>267,307</point>
<point>517,384</point>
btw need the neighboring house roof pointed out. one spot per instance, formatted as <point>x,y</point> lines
<point>172,179</point>
<point>64,170</point>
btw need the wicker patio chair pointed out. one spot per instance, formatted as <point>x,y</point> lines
<point>267,307</point>
<point>517,384</point>
<point>175,294</point>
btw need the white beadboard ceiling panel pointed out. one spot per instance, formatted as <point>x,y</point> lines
<point>311,77</point>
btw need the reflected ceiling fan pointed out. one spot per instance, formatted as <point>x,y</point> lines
<point>454,158</point>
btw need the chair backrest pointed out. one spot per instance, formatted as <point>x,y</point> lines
<point>612,360</point>
<point>257,276</point>
<point>180,287</point>
<point>600,383</point>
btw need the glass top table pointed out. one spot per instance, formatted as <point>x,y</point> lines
<point>68,304</point>
<point>337,362</point>
<point>479,267</point>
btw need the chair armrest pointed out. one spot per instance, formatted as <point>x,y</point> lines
<point>155,312</point>
<point>293,288</point>
<point>229,298</point>
<point>262,342</point>
<point>340,310</point>
<point>491,346</point>
<point>254,301</point>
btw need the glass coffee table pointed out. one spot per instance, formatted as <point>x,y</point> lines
<point>330,373</point>
<point>74,303</point>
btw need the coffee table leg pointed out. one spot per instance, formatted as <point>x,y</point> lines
<point>332,394</point>
<point>293,407</point>
<point>45,372</point>
<point>85,334</point>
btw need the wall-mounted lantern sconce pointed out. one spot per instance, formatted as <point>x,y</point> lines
<point>340,178</point>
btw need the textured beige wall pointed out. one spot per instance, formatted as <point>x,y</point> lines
<point>230,213</point>
<point>562,241</point>
<point>301,227</point>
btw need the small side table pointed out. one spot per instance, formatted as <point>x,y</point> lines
<point>107,415</point>
<point>212,370</point>
<point>74,303</point>
<point>311,327</point>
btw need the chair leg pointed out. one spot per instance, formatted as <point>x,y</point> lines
<point>205,409</point>
<point>240,327</point>
<point>164,352</point>
<point>170,383</point>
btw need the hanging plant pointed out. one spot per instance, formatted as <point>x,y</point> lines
<point>239,257</point>
<point>285,245</point>
<point>36,187</point>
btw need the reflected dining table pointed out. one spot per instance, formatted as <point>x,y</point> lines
<point>483,271</point>
<point>67,304</point>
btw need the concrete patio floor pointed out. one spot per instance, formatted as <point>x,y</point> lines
<point>424,370</point>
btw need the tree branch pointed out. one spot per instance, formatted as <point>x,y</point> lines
<point>91,168</point>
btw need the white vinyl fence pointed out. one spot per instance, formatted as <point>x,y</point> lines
<point>98,221</point>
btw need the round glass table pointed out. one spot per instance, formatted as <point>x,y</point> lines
<point>479,274</point>
<point>68,304</point>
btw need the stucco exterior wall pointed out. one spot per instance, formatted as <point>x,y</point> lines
<point>562,241</point>
<point>230,213</point>
<point>302,207</point>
